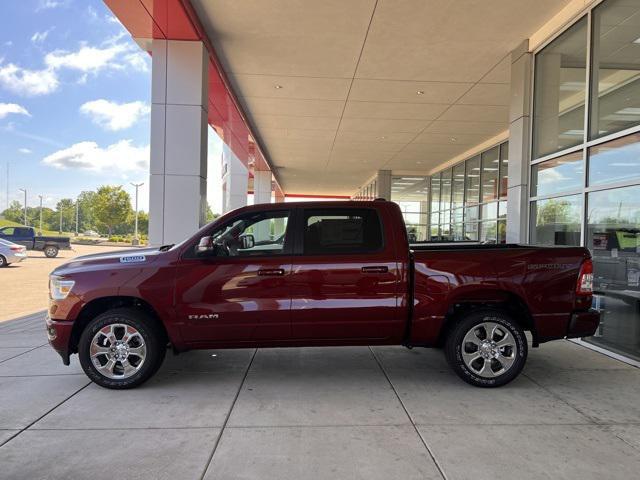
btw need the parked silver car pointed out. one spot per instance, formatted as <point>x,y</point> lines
<point>11,252</point>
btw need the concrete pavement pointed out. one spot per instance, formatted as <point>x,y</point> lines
<point>316,413</point>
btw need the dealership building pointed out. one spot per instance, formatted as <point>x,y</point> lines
<point>501,121</point>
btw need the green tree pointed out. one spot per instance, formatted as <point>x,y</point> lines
<point>15,212</point>
<point>86,201</point>
<point>112,207</point>
<point>66,209</point>
<point>209,215</point>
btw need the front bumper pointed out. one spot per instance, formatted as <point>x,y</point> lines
<point>59,334</point>
<point>583,324</point>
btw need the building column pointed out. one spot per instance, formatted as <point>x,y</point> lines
<point>261,186</point>
<point>383,184</point>
<point>519,145</point>
<point>235,181</point>
<point>178,181</point>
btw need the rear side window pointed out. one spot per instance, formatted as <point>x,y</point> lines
<point>342,230</point>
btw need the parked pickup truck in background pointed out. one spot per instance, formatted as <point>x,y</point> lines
<point>314,274</point>
<point>27,236</point>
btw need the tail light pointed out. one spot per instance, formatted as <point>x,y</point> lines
<point>585,278</point>
<point>17,249</point>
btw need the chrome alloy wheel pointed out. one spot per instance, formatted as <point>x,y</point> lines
<point>488,349</point>
<point>118,351</point>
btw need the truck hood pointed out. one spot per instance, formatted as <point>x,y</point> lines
<point>135,257</point>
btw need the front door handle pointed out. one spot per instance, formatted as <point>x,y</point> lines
<point>375,269</point>
<point>271,272</point>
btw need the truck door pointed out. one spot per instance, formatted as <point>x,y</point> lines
<point>344,282</point>
<point>241,292</point>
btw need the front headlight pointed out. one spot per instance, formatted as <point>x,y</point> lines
<point>59,288</point>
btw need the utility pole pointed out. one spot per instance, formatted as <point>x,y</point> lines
<point>25,205</point>
<point>40,196</point>
<point>77,216</point>
<point>7,183</point>
<point>60,229</point>
<point>136,241</point>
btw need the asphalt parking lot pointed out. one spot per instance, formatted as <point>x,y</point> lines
<point>316,413</point>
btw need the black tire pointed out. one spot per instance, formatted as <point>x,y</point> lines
<point>154,340</point>
<point>471,374</point>
<point>3,262</point>
<point>51,251</point>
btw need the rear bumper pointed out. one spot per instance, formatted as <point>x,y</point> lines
<point>583,324</point>
<point>59,333</point>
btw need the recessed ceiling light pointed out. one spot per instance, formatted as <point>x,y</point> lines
<point>420,92</point>
<point>453,139</point>
<point>277,87</point>
<point>383,137</point>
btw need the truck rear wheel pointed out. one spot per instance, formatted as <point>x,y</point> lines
<point>487,348</point>
<point>121,348</point>
<point>51,251</point>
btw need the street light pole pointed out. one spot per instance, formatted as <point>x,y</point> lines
<point>77,216</point>
<point>40,196</point>
<point>60,229</point>
<point>25,205</point>
<point>136,241</point>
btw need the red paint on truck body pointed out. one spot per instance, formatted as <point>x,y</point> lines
<point>395,295</point>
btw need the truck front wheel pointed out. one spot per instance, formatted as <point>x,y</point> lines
<point>121,348</point>
<point>487,348</point>
<point>51,251</point>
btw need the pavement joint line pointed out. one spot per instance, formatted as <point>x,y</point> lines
<point>424,442</point>
<point>44,415</point>
<point>558,397</point>
<point>42,375</point>
<point>226,420</point>
<point>31,349</point>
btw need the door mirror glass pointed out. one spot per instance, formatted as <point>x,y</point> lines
<point>205,247</point>
<point>247,241</point>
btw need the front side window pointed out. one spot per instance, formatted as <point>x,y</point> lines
<point>341,230</point>
<point>260,233</point>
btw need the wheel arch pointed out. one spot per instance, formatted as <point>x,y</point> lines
<point>101,305</point>
<point>501,300</point>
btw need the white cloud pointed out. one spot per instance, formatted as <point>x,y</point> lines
<point>25,151</point>
<point>114,116</point>
<point>8,108</point>
<point>87,59</point>
<point>49,4</point>
<point>40,37</point>
<point>120,157</point>
<point>28,82</point>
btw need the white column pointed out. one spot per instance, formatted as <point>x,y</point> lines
<point>235,181</point>
<point>519,143</point>
<point>178,183</point>
<point>383,184</point>
<point>261,187</point>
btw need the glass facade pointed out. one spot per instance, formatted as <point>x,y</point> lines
<point>585,172</point>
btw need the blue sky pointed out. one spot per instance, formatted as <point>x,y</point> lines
<point>74,103</point>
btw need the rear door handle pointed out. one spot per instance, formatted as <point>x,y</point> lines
<point>271,272</point>
<point>375,269</point>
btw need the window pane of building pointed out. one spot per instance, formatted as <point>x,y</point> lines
<point>472,181</point>
<point>558,175</point>
<point>615,103</point>
<point>490,168</point>
<point>613,236</point>
<point>471,231</point>
<point>556,221</point>
<point>559,93</point>
<point>488,231</point>
<point>471,214</point>
<point>435,193</point>
<point>435,226</point>
<point>615,161</point>
<point>458,186</point>
<point>502,231</point>
<point>445,199</point>
<point>490,211</point>
<point>504,169</point>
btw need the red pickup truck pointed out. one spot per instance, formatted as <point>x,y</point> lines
<point>314,274</point>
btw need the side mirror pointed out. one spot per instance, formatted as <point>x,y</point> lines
<point>247,241</point>
<point>205,247</point>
